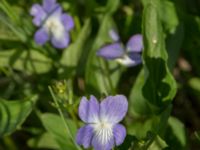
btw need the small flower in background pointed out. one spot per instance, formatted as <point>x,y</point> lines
<point>102,129</point>
<point>129,55</point>
<point>53,25</point>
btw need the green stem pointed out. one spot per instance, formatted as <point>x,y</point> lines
<point>63,118</point>
<point>109,77</point>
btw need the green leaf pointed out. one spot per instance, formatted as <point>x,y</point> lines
<point>197,135</point>
<point>158,144</point>
<point>71,56</point>
<point>13,114</point>
<point>43,141</point>
<point>177,134</point>
<point>169,15</point>
<point>173,44</point>
<point>112,6</point>
<point>102,76</point>
<point>29,61</point>
<point>155,124</point>
<point>138,104</point>
<point>15,29</point>
<point>6,33</point>
<point>194,83</point>
<point>55,126</point>
<point>155,87</point>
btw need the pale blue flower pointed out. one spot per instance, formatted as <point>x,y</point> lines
<point>102,130</point>
<point>129,55</point>
<point>54,25</point>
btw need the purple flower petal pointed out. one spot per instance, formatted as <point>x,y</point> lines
<point>68,21</point>
<point>135,43</point>
<point>84,136</point>
<point>114,35</point>
<point>89,110</point>
<point>98,145</point>
<point>111,51</point>
<point>137,58</point>
<point>113,108</point>
<point>60,42</point>
<point>49,5</point>
<point>56,12</point>
<point>130,60</point>
<point>119,132</point>
<point>38,13</point>
<point>41,36</point>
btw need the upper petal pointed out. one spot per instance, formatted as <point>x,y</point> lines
<point>114,35</point>
<point>41,36</point>
<point>135,43</point>
<point>89,110</point>
<point>68,21</point>
<point>56,12</point>
<point>119,132</point>
<point>49,5</point>
<point>130,60</point>
<point>38,13</point>
<point>113,108</point>
<point>84,136</point>
<point>111,51</point>
<point>60,40</point>
<point>105,145</point>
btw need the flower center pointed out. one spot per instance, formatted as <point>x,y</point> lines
<point>55,27</point>
<point>103,131</point>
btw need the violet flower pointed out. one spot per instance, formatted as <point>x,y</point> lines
<point>102,129</point>
<point>53,25</point>
<point>129,55</point>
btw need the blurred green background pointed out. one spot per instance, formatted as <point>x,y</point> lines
<point>26,70</point>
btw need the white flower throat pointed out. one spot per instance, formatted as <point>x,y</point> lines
<point>103,131</point>
<point>55,27</point>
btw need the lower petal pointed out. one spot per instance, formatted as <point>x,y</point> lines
<point>84,136</point>
<point>119,132</point>
<point>130,61</point>
<point>41,36</point>
<point>98,145</point>
<point>61,42</point>
<point>111,51</point>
